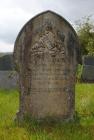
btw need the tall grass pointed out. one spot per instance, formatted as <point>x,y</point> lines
<point>32,130</point>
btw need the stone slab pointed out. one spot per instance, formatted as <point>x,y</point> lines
<point>8,80</point>
<point>46,54</point>
<point>88,60</point>
<point>88,73</point>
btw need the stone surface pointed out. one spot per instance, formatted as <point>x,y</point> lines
<point>8,77</point>
<point>88,60</point>
<point>6,62</point>
<point>88,69</point>
<point>46,53</point>
<point>88,73</point>
<point>8,80</point>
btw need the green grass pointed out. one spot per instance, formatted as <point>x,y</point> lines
<point>85,103</point>
<point>81,129</point>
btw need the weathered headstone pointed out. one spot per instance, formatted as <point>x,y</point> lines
<point>88,69</point>
<point>46,53</point>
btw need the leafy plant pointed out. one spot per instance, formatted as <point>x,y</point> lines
<point>85,31</point>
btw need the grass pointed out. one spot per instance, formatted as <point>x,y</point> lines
<point>82,130</point>
<point>85,103</point>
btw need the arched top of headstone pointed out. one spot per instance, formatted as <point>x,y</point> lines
<point>39,25</point>
<point>45,14</point>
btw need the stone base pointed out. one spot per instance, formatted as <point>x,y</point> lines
<point>21,118</point>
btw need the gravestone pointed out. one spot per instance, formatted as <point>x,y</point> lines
<point>8,77</point>
<point>6,62</point>
<point>88,69</point>
<point>46,53</point>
